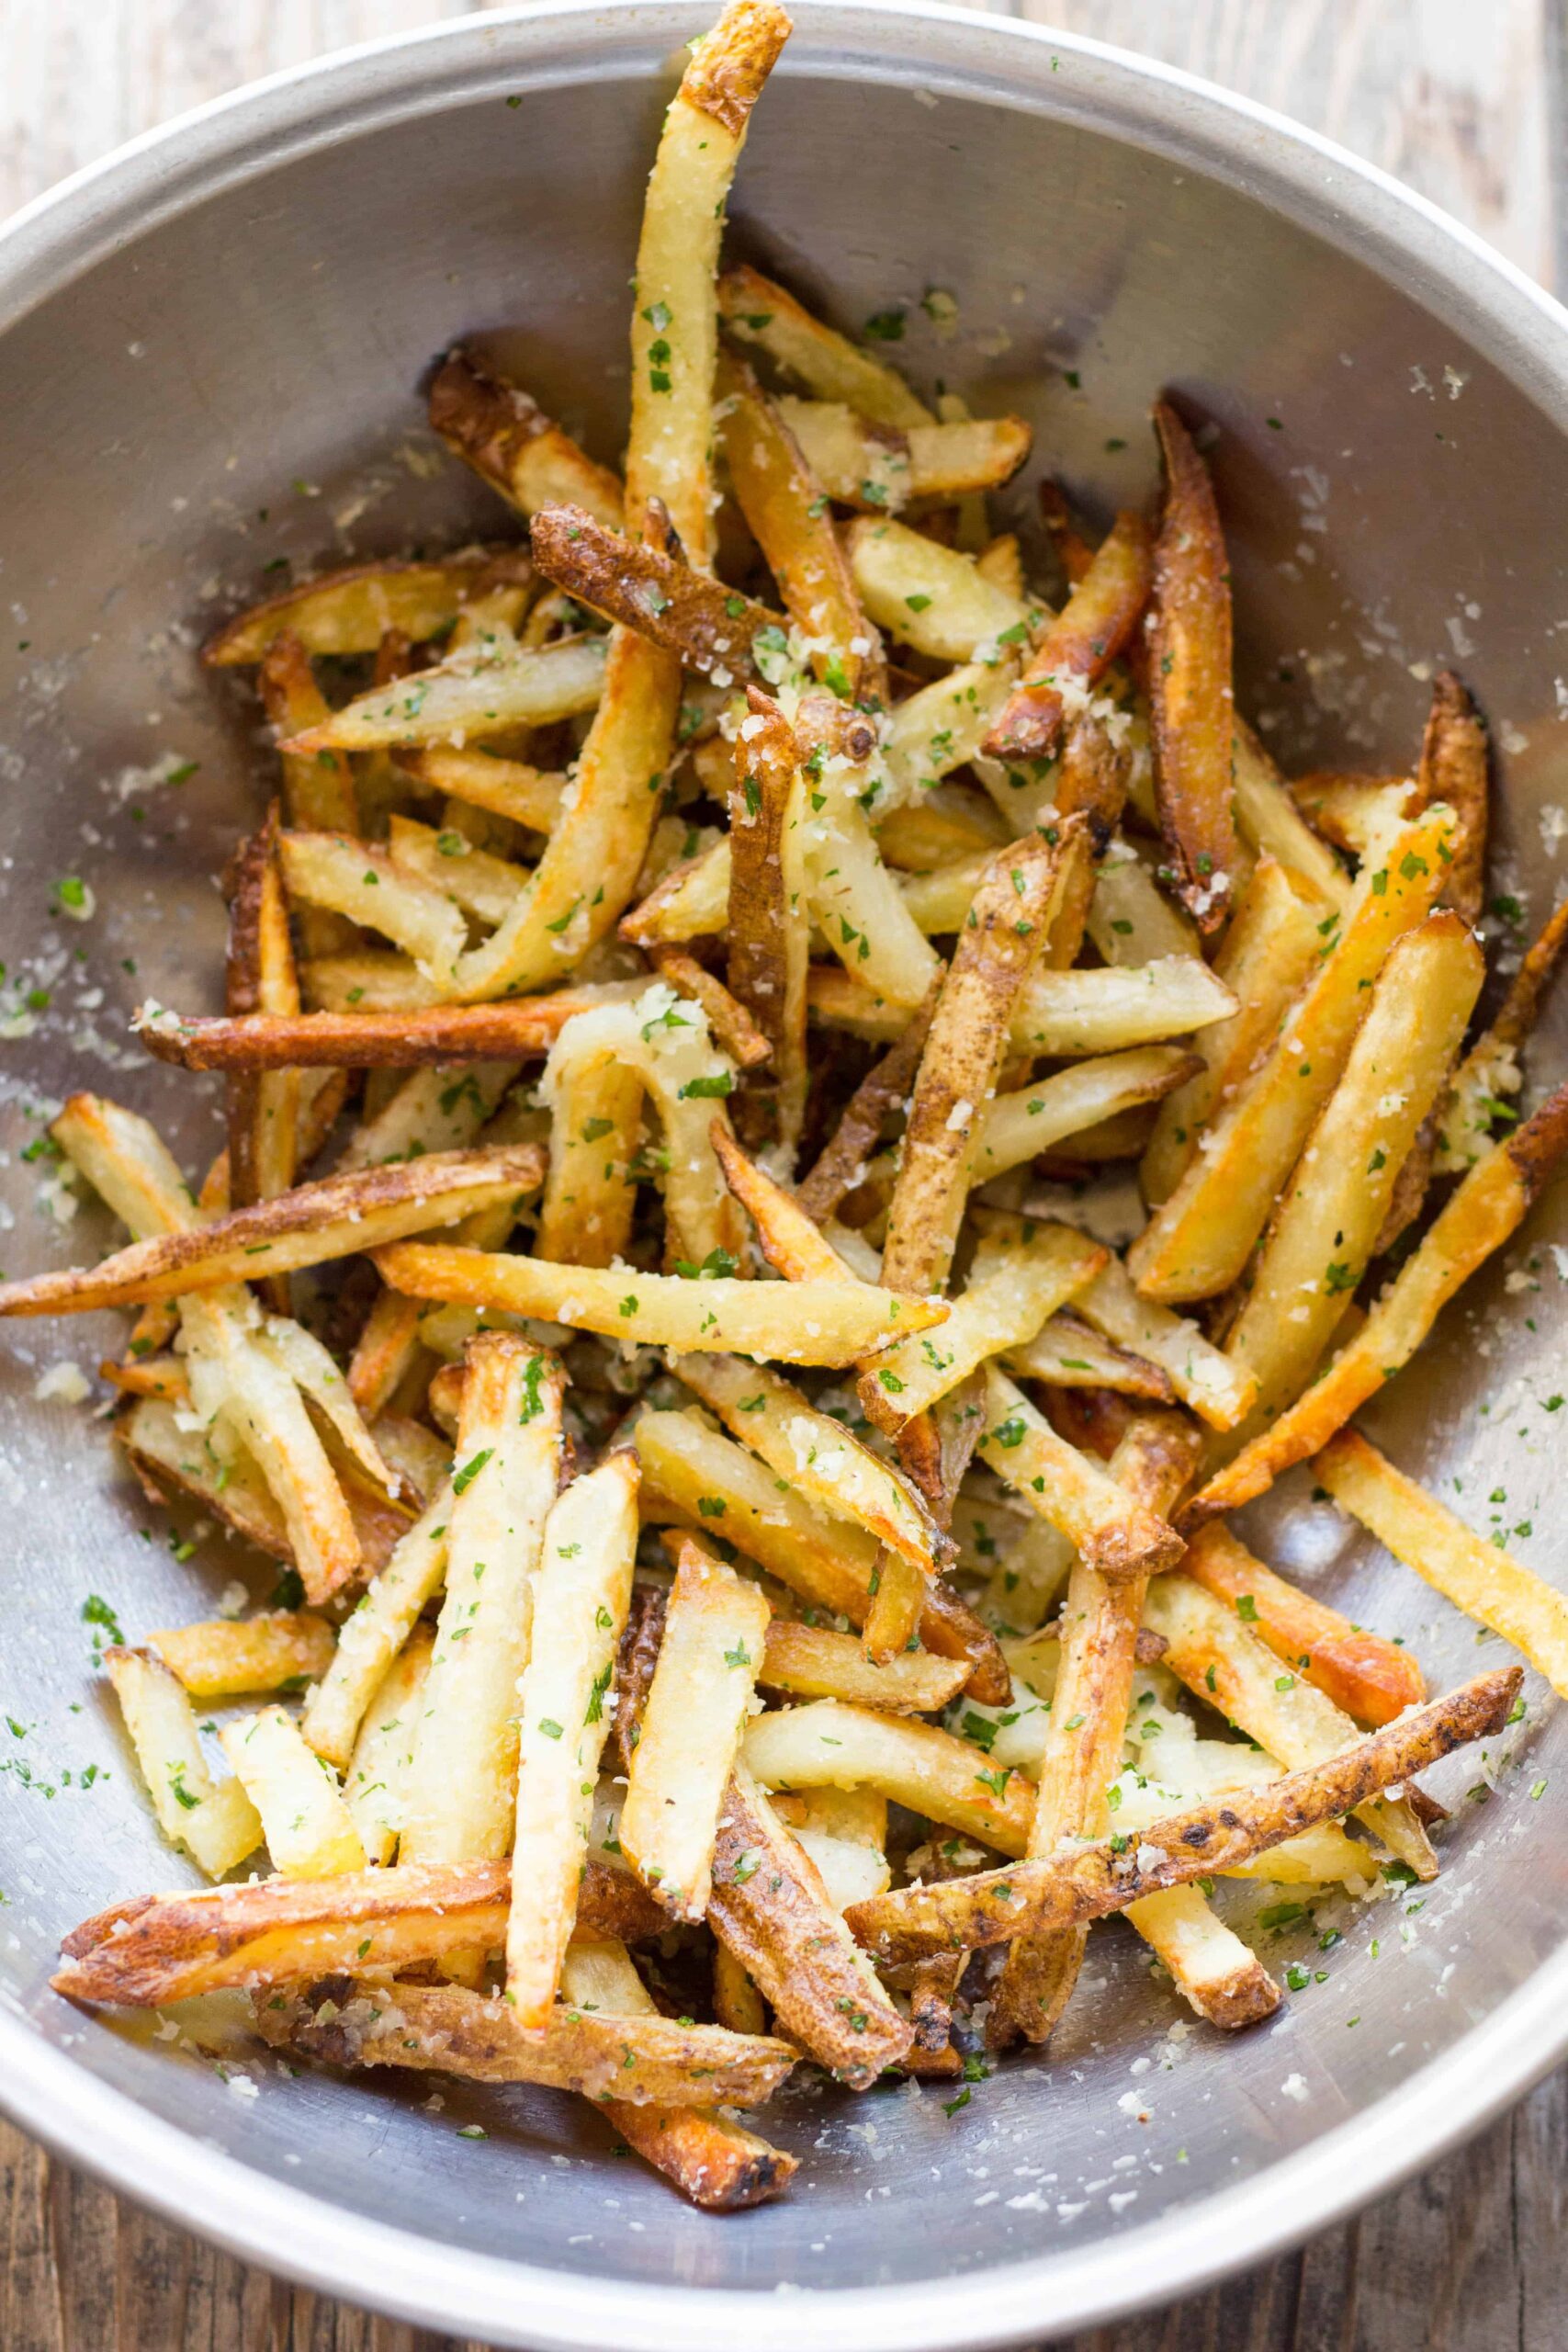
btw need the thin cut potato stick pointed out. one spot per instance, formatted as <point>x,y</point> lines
<point>481,689</point>
<point>162,1948</point>
<point>1489,1206</point>
<point>815,1662</point>
<point>854,896</point>
<point>383,1351</point>
<point>855,1138</point>
<point>309,1830</point>
<point>461,1796</point>
<point>691,1729</point>
<point>501,431</point>
<point>1198,1241</point>
<point>1269,825</point>
<point>1024,1125</point>
<point>1111,1531</point>
<point>1191,692</point>
<point>1480,1099</point>
<point>828,1744</point>
<point>1328,1220</point>
<point>228,1655</point>
<point>213,1820</point>
<point>711,629</point>
<point>580,1596</point>
<point>768,925</point>
<point>1079,645</point>
<point>337,1217</point>
<point>375,1631</point>
<point>1211,1647</point>
<point>1219,1391</point>
<point>262,1110</point>
<point>789,1237</point>
<point>375,1786</point>
<point>815,1322</point>
<point>127,1162</point>
<point>1488,1585</point>
<point>318,789</point>
<point>880,469</point>
<point>931,597</point>
<point>352,610</point>
<point>483,779</point>
<point>1217,1973</point>
<point>764,317</point>
<point>1370,1677</point>
<point>1068,1352</point>
<point>484,886</point>
<point>1060,1890</point>
<point>1454,770</point>
<point>736,1034</point>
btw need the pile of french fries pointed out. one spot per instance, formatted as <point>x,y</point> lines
<point>743,1532</point>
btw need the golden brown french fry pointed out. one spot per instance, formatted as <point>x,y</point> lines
<point>336,1217</point>
<point>790,1239</point>
<point>1080,644</point>
<point>376,1631</point>
<point>1197,1241</point>
<point>500,430</point>
<point>1454,770</point>
<point>815,1662</point>
<point>844,1832</point>
<point>879,469</point>
<point>1062,1891</point>
<point>262,1110</point>
<point>1212,1648</point>
<point>1270,826</point>
<point>1489,1206</point>
<point>1068,1352</point>
<point>309,1830</point>
<point>1190,694</point>
<point>1352,810</point>
<point>383,1352</point>
<point>481,690</point>
<point>1026,1124</point>
<point>828,1744</point>
<point>855,898</point>
<point>1328,1219</point>
<point>376,1779</point>
<point>1111,1531</point>
<point>711,629</point>
<point>317,792</point>
<point>855,1138</point>
<point>1219,1391</point>
<point>279,1650</point>
<point>764,317</point>
<point>1269,948</point>
<point>727,1019</point>
<point>691,1729</point>
<point>461,1795</point>
<point>1487,1584</point>
<point>768,922</point>
<point>1370,1678</point>
<point>480,778</point>
<point>351,611</point>
<point>932,599</point>
<point>1479,1102</point>
<point>483,885</point>
<point>213,1820</point>
<point>579,1604</point>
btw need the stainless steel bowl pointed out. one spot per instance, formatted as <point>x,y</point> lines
<point>210,354</point>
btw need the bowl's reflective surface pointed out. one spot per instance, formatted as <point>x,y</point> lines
<point>223,372</point>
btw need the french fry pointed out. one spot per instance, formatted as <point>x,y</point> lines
<point>376,1779</point>
<point>815,1452</point>
<point>1062,1891</point>
<point>1068,1352</point>
<point>440,1107</point>
<point>579,1595</point>
<point>711,629</point>
<point>1489,1206</point>
<point>500,430</point>
<point>930,597</point>
<point>1099,1012</point>
<point>764,317</point>
<point>361,880</point>
<point>1130,920</point>
<point>376,1633</point>
<point>336,1217</point>
<point>309,1829</point>
<point>319,793</point>
<point>127,1162</point>
<point>1497,1590</point>
<point>483,885</point>
<point>844,1832</point>
<point>771,1910</point>
<point>815,1322</point>
<point>790,1240</point>
<point>942,727</point>
<point>690,1730</point>
<point>1352,810</point>
<point>1368,1677</point>
<point>1198,1241</point>
<point>1269,825</point>
<point>262,1110</point>
<point>228,1655</point>
<point>636,2060</point>
<point>1220,1390</point>
<point>1453,769</point>
<point>1208,1963</point>
<point>1110,1530</point>
<point>461,1795</point>
<point>814,1662</point>
<point>590,1198</point>
<point>1024,1125</point>
<point>767,913</point>
<point>351,611</point>
<point>383,1352</point>
<point>827,1744</point>
<point>1079,645</point>
<point>213,1820</point>
<point>852,895</point>
<point>879,469</point>
<point>361,980</point>
<point>481,689</point>
<point>855,1138</point>
<point>1270,948</point>
<point>1190,695</point>
<point>1211,1647</point>
<point>1327,1221</point>
<point>483,779</point>
<point>1010,1294</point>
<point>1479,1102</point>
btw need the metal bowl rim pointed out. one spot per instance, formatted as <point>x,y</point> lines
<point>1349,205</point>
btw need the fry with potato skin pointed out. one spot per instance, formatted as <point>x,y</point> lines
<point>436,1035</point>
<point>1490,1072</point>
<point>350,611</point>
<point>709,628</point>
<point>854,1140</point>
<point>769,926</point>
<point>1190,695</point>
<point>1080,644</point>
<point>503,433</point>
<point>1064,1891</point>
<point>262,1110</point>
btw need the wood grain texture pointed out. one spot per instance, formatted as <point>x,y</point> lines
<point>1464,99</point>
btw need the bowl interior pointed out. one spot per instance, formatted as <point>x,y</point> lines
<point>230,383</point>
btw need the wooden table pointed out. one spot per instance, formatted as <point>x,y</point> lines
<point>1462,98</point>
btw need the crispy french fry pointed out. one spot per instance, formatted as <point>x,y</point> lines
<point>483,885</point>
<point>844,1832</point>
<point>764,317</point>
<point>855,1138</point>
<point>351,611</point>
<point>1211,1647</point>
<point>213,1820</point>
<point>375,1781</point>
<point>1219,1390</point>
<point>1110,1529</point>
<point>317,792</point>
<point>579,1595</point>
<point>767,914</point>
<point>1454,770</point>
<point>931,598</point>
<point>1198,1241</point>
<point>815,1322</point>
<point>690,1730</point>
<point>376,1633</point>
<point>1370,1677</point>
<point>461,1795</point>
<point>1478,1102</point>
<point>1208,1962</point>
<point>1269,823</point>
<point>854,897</point>
<point>337,1217</point>
<point>262,1110</point>
<point>1328,1220</point>
<point>228,1655</point>
<point>1068,1352</point>
<point>814,1662</point>
<point>483,779</point>
<point>309,1830</point>
<point>362,880</point>
<point>481,689</point>
<point>1489,1206</point>
<point>711,629</point>
<point>439,1108</point>
<point>1351,810</point>
<point>879,469</point>
<point>1497,1590</point>
<point>1190,680</point>
<point>943,726</point>
<point>590,1199</point>
<point>1062,1891</point>
<point>790,1239</point>
<point>1024,1125</point>
<point>828,1744</point>
<point>386,1347</point>
<point>500,430</point>
<point>1079,645</point>
<point>636,2060</point>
